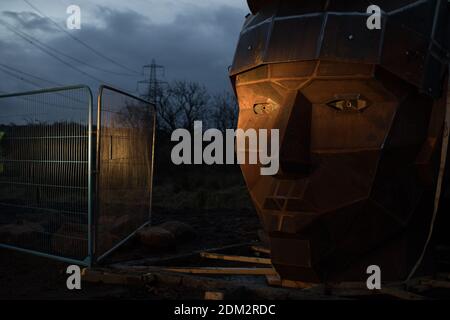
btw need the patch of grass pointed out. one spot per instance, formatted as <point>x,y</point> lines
<point>202,188</point>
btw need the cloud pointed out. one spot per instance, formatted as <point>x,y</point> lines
<point>196,45</point>
<point>115,21</point>
<point>29,21</point>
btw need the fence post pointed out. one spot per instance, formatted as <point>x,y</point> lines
<point>90,182</point>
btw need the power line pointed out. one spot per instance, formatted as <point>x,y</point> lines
<point>30,75</point>
<point>42,47</point>
<point>2,68</point>
<point>20,78</point>
<point>83,43</point>
<point>68,56</point>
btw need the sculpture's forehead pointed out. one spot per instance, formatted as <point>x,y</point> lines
<point>412,42</point>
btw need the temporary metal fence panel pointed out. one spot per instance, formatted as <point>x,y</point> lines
<point>45,173</point>
<point>126,132</point>
<point>68,189</point>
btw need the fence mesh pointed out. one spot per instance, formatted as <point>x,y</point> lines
<point>44,184</point>
<point>125,159</point>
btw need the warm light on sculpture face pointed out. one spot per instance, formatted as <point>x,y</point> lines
<point>335,185</point>
<point>360,114</point>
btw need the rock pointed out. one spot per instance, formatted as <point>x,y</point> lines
<point>182,231</point>
<point>122,226</point>
<point>119,226</point>
<point>20,233</point>
<point>156,238</point>
<point>106,241</point>
<point>105,220</point>
<point>70,240</point>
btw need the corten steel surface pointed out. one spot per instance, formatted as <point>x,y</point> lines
<point>361,116</point>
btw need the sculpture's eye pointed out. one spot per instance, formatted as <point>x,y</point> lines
<point>349,103</point>
<point>263,108</point>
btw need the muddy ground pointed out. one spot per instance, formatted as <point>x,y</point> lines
<point>23,276</point>
<point>215,202</point>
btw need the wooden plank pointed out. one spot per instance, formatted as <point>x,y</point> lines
<point>256,290</point>
<point>217,256</point>
<point>348,285</point>
<point>273,280</point>
<point>164,279</point>
<point>392,292</point>
<point>443,276</point>
<point>400,294</point>
<point>214,295</point>
<point>261,249</point>
<point>297,284</point>
<point>355,293</point>
<point>169,259</point>
<point>350,289</point>
<point>223,271</point>
<point>437,284</point>
<point>276,281</point>
<point>416,285</point>
<point>95,276</point>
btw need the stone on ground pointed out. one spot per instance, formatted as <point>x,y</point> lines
<point>20,232</point>
<point>156,238</point>
<point>182,231</point>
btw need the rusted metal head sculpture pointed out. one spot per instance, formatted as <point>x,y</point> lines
<point>361,116</point>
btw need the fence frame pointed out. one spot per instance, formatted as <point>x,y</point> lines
<point>88,260</point>
<point>101,257</point>
<point>93,175</point>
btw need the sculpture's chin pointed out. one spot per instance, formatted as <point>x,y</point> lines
<point>340,244</point>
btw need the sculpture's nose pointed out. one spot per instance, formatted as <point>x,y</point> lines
<point>295,150</point>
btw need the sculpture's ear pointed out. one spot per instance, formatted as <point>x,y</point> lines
<point>256,5</point>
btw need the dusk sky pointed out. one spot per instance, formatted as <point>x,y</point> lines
<point>193,39</point>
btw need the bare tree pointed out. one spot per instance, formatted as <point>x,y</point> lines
<point>180,104</point>
<point>168,113</point>
<point>191,99</point>
<point>225,111</point>
<point>135,115</point>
